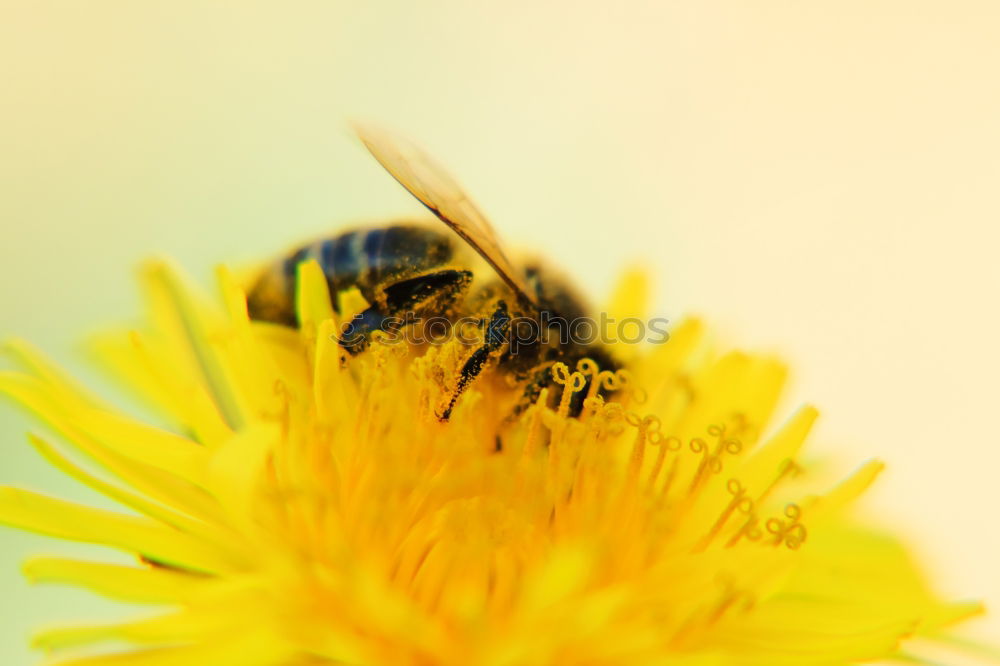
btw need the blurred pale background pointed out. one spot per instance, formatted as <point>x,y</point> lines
<point>818,178</point>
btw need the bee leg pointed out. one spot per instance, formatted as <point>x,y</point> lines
<point>429,292</point>
<point>357,333</point>
<point>496,339</point>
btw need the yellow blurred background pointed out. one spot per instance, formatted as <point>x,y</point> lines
<point>817,178</point>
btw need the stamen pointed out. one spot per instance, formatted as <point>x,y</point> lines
<point>787,468</point>
<point>739,502</point>
<point>421,368</point>
<point>613,380</point>
<point>668,482</point>
<point>600,418</point>
<point>750,530</point>
<point>531,441</point>
<point>571,383</point>
<point>589,369</point>
<point>384,348</point>
<point>625,383</point>
<point>374,384</point>
<point>284,409</point>
<point>646,426</point>
<point>711,462</point>
<point>592,406</point>
<point>792,533</point>
<point>662,444</point>
<point>587,366</point>
<point>614,414</point>
<point>742,428</point>
<point>728,600</point>
<point>609,380</point>
<point>598,378</point>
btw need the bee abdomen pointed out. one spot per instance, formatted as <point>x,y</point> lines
<point>368,259</point>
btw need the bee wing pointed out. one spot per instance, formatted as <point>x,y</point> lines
<point>436,189</point>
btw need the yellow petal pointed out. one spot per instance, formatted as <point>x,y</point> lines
<point>236,467</point>
<point>312,298</point>
<point>251,647</point>
<point>765,464</point>
<point>153,510</point>
<point>148,585</point>
<point>199,623</point>
<point>848,490</point>
<point>149,370</point>
<point>65,520</point>
<point>180,315</point>
<point>149,445</point>
<point>61,383</point>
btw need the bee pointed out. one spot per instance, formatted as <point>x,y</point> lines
<point>425,271</point>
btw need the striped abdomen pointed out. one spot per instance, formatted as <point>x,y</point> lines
<point>368,259</point>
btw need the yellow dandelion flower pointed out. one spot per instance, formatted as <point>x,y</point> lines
<point>305,510</point>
